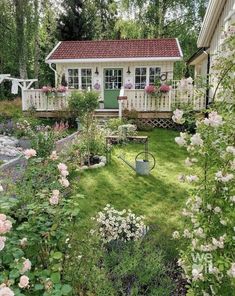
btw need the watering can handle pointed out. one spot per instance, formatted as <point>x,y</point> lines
<point>150,154</point>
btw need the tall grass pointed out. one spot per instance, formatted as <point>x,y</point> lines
<point>10,109</point>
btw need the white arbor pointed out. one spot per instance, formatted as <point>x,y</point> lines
<point>24,84</point>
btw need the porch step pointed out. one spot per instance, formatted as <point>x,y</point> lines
<point>106,114</point>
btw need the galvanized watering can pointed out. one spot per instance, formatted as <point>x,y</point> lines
<point>143,165</point>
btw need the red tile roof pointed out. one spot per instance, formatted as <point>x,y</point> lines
<point>137,48</point>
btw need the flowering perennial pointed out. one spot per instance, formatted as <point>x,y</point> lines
<point>178,116</point>
<point>208,260</point>
<point>120,225</point>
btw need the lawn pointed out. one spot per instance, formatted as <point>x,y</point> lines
<point>159,197</point>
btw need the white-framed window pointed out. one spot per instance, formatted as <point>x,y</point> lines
<point>86,78</point>
<point>154,74</point>
<point>146,75</point>
<point>80,78</point>
<point>140,77</point>
<point>73,78</point>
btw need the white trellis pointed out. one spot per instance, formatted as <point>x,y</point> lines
<point>24,84</point>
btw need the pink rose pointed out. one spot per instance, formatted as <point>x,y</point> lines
<point>64,173</point>
<point>30,153</point>
<point>24,282</point>
<point>5,226</point>
<point>62,167</point>
<point>5,291</point>
<point>3,217</point>
<point>64,182</point>
<point>2,242</point>
<point>55,192</point>
<point>26,266</point>
<point>8,225</point>
<point>54,200</point>
<point>53,155</point>
<point>23,242</point>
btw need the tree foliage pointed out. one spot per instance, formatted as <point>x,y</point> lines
<point>29,29</point>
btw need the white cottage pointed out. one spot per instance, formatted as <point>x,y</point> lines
<point>113,68</point>
<point>109,65</point>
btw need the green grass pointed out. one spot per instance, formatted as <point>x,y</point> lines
<point>159,197</point>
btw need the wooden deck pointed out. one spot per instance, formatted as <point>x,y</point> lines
<point>103,114</point>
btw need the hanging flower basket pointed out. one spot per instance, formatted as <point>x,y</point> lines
<point>164,88</point>
<point>150,89</point>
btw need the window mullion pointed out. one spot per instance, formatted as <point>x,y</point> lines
<point>147,75</point>
<point>80,78</point>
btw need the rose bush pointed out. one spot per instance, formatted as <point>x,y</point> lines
<point>207,254</point>
<point>208,257</point>
<point>33,242</point>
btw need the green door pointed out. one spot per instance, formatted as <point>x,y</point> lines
<point>112,86</point>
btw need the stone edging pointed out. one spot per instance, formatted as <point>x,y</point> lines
<point>60,145</point>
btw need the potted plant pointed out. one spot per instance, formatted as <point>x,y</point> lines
<point>150,89</point>
<point>164,88</point>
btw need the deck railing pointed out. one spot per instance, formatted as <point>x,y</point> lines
<point>177,97</point>
<point>136,99</point>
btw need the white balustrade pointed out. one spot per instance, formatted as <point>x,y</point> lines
<point>137,99</point>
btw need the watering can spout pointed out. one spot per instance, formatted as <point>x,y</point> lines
<point>126,162</point>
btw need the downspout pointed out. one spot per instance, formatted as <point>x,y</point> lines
<point>208,81</point>
<point>54,70</point>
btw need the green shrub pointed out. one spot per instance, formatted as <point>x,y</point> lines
<point>113,123</point>
<point>83,103</point>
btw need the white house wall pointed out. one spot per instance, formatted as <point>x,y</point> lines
<point>164,65</point>
<point>217,38</point>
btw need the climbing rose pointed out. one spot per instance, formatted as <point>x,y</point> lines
<point>214,119</point>
<point>231,149</point>
<point>24,281</point>
<point>5,291</point>
<point>231,271</point>
<point>191,178</point>
<point>26,266</point>
<point>178,116</point>
<point>176,235</point>
<point>62,167</point>
<point>181,140</point>
<point>30,153</point>
<point>196,140</point>
<point>223,178</point>
<point>64,182</point>
<point>2,242</point>
<point>53,155</point>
